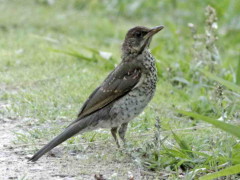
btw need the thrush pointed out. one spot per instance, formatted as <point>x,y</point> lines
<point>123,94</point>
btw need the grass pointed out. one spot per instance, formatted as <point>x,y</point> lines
<point>50,61</point>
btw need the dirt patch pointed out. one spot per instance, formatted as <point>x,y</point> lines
<point>98,159</point>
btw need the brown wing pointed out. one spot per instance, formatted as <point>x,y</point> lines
<point>117,84</point>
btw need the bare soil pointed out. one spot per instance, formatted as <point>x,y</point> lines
<point>95,160</point>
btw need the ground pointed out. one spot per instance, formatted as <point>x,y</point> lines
<point>97,158</point>
<point>55,53</point>
<point>14,162</point>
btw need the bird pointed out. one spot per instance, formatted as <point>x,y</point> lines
<point>122,96</point>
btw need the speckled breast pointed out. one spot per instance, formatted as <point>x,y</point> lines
<point>131,105</point>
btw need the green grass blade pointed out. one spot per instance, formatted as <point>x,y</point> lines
<point>238,72</point>
<point>71,53</point>
<point>234,130</point>
<point>225,172</point>
<point>183,145</point>
<point>95,51</point>
<point>226,83</point>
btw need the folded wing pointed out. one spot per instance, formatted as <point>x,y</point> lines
<point>116,85</point>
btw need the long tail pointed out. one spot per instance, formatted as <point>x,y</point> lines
<point>66,134</point>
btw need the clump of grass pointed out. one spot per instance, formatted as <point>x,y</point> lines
<point>176,157</point>
<point>169,157</point>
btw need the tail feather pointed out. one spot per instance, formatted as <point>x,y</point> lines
<point>69,132</point>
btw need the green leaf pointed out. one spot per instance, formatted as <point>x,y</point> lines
<point>226,83</point>
<point>234,130</point>
<point>225,172</point>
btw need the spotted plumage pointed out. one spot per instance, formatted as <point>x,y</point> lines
<point>123,94</point>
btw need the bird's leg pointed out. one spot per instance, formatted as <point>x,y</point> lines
<point>114,134</point>
<point>122,131</point>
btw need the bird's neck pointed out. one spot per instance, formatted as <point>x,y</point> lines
<point>145,61</point>
<point>128,55</point>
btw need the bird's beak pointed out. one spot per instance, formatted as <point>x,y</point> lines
<point>147,38</point>
<point>153,31</point>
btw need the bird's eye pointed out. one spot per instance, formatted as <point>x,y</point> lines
<point>138,34</point>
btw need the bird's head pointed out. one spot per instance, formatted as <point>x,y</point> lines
<point>138,39</point>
